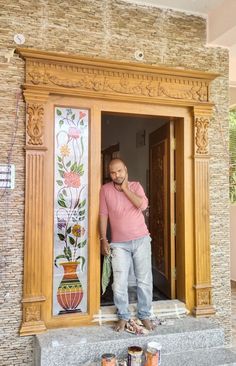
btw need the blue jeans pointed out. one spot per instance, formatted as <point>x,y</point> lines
<point>138,251</point>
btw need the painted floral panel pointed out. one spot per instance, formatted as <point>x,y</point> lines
<point>70,211</point>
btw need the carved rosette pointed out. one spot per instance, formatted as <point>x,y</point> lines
<point>203,297</point>
<point>32,313</point>
<point>35,113</point>
<point>201,135</point>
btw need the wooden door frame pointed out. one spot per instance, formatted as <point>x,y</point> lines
<point>110,86</point>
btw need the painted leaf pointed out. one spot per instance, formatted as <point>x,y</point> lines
<point>62,203</point>
<point>59,113</point>
<point>59,182</point>
<point>82,244</point>
<point>61,122</point>
<point>81,213</point>
<point>61,173</point>
<point>59,257</point>
<point>67,252</point>
<point>68,164</point>
<point>82,259</point>
<point>72,240</point>
<point>59,158</point>
<point>82,204</point>
<point>68,230</point>
<point>61,236</point>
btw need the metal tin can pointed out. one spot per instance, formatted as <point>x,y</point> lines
<point>153,354</point>
<point>135,356</point>
<point>108,359</point>
<point>151,357</point>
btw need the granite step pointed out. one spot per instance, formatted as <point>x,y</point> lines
<point>203,357</point>
<point>77,346</point>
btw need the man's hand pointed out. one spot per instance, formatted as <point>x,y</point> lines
<point>105,247</point>
<point>124,185</point>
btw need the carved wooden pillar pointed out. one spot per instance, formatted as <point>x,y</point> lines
<point>202,286</point>
<point>35,181</point>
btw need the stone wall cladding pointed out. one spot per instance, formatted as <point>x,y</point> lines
<point>114,30</point>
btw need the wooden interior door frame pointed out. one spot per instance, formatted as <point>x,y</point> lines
<point>111,86</point>
<point>162,220</point>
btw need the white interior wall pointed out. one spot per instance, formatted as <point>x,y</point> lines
<point>122,130</point>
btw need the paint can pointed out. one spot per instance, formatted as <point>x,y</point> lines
<point>153,354</point>
<point>108,359</point>
<point>135,356</point>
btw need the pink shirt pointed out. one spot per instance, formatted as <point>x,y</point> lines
<point>126,221</point>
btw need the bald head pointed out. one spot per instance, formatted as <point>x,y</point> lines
<point>115,161</point>
<point>118,170</point>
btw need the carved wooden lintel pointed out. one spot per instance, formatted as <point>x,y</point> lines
<point>87,76</point>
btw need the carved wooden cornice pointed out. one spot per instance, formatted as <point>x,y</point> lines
<point>60,73</point>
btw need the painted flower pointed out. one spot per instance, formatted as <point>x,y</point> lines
<point>61,224</point>
<point>72,179</point>
<point>74,133</point>
<point>65,151</point>
<point>82,114</point>
<point>78,230</point>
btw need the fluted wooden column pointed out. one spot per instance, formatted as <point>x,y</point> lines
<point>34,190</point>
<point>202,286</point>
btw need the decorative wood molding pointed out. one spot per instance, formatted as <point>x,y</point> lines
<point>201,136</point>
<point>34,213</point>
<point>35,126</point>
<point>50,75</point>
<point>114,80</point>
<point>203,298</point>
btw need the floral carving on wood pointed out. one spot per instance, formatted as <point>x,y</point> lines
<point>203,297</point>
<point>119,82</point>
<point>35,124</point>
<point>32,313</point>
<point>201,137</point>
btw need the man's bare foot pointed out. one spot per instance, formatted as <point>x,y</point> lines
<point>120,325</point>
<point>148,324</point>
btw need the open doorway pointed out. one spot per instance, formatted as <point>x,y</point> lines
<point>145,143</point>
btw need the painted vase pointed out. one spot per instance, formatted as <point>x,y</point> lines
<point>70,291</point>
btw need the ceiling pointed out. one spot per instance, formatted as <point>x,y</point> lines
<point>196,6</point>
<point>221,22</point>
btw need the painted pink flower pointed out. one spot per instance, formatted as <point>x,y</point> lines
<point>82,115</point>
<point>74,133</point>
<point>72,179</point>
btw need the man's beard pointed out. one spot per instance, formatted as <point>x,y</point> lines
<point>118,181</point>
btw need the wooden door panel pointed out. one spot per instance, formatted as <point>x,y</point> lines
<point>161,209</point>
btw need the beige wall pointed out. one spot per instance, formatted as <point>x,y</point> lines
<point>115,30</point>
<point>233,241</point>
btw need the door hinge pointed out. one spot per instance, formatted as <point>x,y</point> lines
<point>174,229</point>
<point>174,186</point>
<point>173,144</point>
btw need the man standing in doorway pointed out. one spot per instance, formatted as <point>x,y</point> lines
<point>122,202</point>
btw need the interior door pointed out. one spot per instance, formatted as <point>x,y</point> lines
<point>162,208</point>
